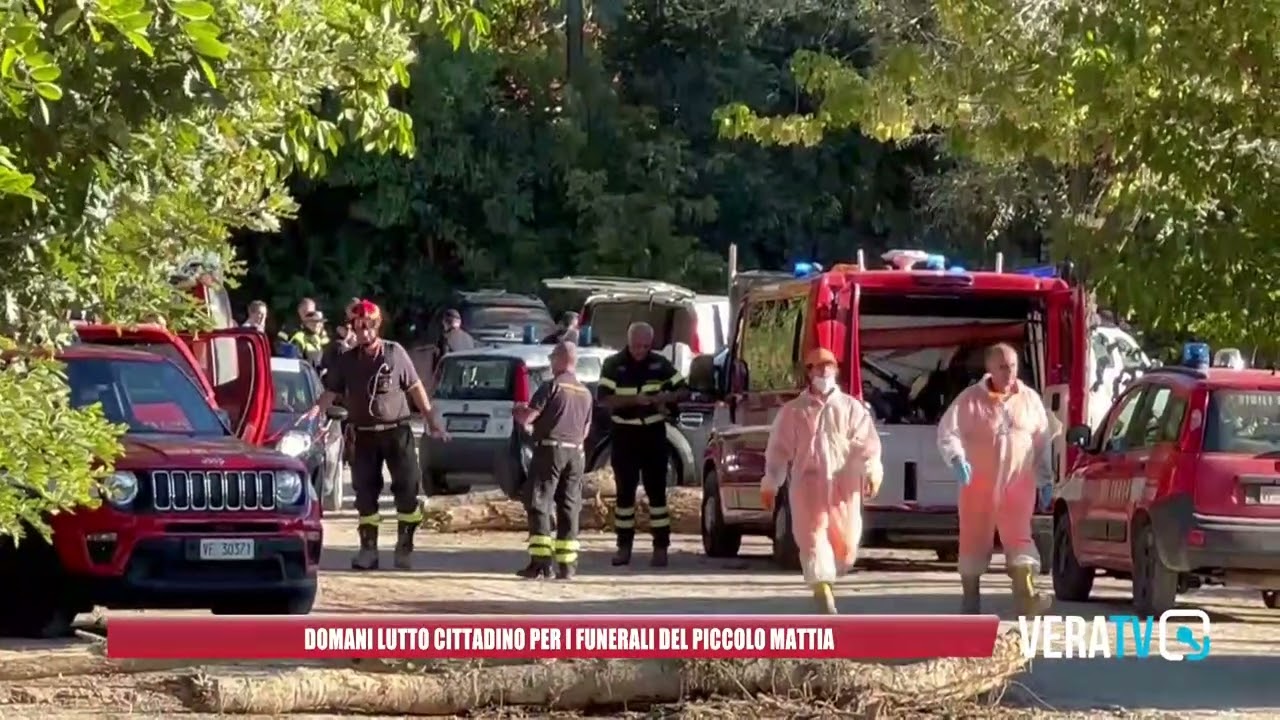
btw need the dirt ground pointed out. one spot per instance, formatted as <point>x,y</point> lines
<point>474,574</point>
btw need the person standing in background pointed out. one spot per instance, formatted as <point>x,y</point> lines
<point>454,338</point>
<point>341,342</point>
<point>306,306</point>
<point>566,332</point>
<point>257,316</point>
<point>312,339</point>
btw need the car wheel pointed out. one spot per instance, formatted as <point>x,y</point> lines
<point>718,540</point>
<point>1071,582</point>
<point>1271,598</point>
<point>439,485</point>
<point>786,554</point>
<point>298,602</point>
<point>673,468</point>
<point>1155,586</point>
<point>1044,548</point>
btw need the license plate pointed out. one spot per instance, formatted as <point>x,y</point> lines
<point>1269,495</point>
<point>464,424</point>
<point>226,549</point>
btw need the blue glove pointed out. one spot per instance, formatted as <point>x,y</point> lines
<point>962,471</point>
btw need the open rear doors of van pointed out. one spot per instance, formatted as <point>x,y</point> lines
<point>232,367</point>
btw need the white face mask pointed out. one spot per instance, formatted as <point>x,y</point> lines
<point>823,384</point>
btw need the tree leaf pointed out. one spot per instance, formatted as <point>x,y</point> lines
<point>68,18</point>
<point>46,74</point>
<point>6,62</point>
<point>141,42</point>
<point>49,91</point>
<point>134,22</point>
<point>211,48</point>
<point>207,69</point>
<point>193,9</point>
<point>202,29</point>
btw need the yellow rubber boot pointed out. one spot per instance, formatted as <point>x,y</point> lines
<point>824,598</point>
<point>1026,601</point>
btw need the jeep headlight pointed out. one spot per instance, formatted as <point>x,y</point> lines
<point>288,487</point>
<point>294,444</point>
<point>120,488</point>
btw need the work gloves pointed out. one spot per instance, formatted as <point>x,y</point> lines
<point>963,472</point>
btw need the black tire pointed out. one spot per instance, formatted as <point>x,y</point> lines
<point>299,602</point>
<point>40,603</point>
<point>1045,548</point>
<point>674,473</point>
<point>439,485</point>
<point>1071,581</point>
<point>1155,586</point>
<point>786,554</point>
<point>1271,598</point>
<point>718,540</point>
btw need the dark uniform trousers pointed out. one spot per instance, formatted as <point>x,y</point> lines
<point>390,444</point>
<point>639,458</point>
<point>555,489</point>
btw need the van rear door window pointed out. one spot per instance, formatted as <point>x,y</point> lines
<point>475,378</point>
<point>1243,422</point>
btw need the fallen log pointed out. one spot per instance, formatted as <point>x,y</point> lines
<point>582,685</point>
<point>684,507</point>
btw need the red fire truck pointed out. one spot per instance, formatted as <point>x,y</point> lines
<point>910,337</point>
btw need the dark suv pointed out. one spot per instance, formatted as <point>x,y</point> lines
<point>494,317</point>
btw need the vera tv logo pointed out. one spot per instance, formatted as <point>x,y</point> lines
<point>1177,635</point>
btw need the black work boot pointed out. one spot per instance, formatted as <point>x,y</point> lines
<point>621,557</point>
<point>566,571</point>
<point>404,545</point>
<point>537,569</point>
<point>659,559</point>
<point>367,557</point>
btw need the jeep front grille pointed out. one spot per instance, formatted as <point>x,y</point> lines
<point>191,490</point>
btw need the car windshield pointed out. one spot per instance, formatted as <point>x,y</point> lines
<point>1243,422</point>
<point>146,396</point>
<point>293,392</point>
<point>475,378</point>
<point>479,317</point>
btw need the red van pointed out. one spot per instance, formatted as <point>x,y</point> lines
<point>1179,487</point>
<point>909,339</point>
<point>197,513</point>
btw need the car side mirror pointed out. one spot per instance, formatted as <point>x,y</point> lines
<point>702,375</point>
<point>336,413</point>
<point>1079,436</point>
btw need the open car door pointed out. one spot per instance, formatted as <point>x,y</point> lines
<point>153,339</point>
<point>237,363</point>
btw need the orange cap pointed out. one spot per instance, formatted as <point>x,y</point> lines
<point>819,356</point>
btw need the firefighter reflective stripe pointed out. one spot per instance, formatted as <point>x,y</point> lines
<point>658,517</point>
<point>607,383</point>
<point>647,420</point>
<point>308,342</point>
<point>651,388</point>
<point>374,520</point>
<point>624,518</point>
<point>566,551</point>
<point>413,517</point>
<point>625,391</point>
<point>540,546</point>
<point>675,382</point>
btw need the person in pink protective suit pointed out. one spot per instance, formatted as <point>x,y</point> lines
<point>826,443</point>
<point>996,439</point>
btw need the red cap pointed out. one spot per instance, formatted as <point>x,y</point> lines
<point>366,309</point>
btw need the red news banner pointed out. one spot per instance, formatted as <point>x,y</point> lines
<point>869,637</point>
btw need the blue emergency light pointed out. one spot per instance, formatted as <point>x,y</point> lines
<point>530,334</point>
<point>956,269</point>
<point>935,262</point>
<point>805,269</point>
<point>1047,272</point>
<point>1195,355</point>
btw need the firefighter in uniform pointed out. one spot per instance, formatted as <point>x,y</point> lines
<point>558,417</point>
<point>379,387</point>
<point>637,386</point>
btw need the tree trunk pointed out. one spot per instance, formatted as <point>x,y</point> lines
<point>581,685</point>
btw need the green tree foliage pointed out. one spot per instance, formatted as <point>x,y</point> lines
<point>521,175</point>
<point>134,134</point>
<point>1144,130</point>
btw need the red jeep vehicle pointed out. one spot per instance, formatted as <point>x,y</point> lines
<point>195,514</point>
<point>1179,487</point>
<point>909,341</point>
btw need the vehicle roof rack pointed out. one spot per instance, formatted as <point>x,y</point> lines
<point>613,285</point>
